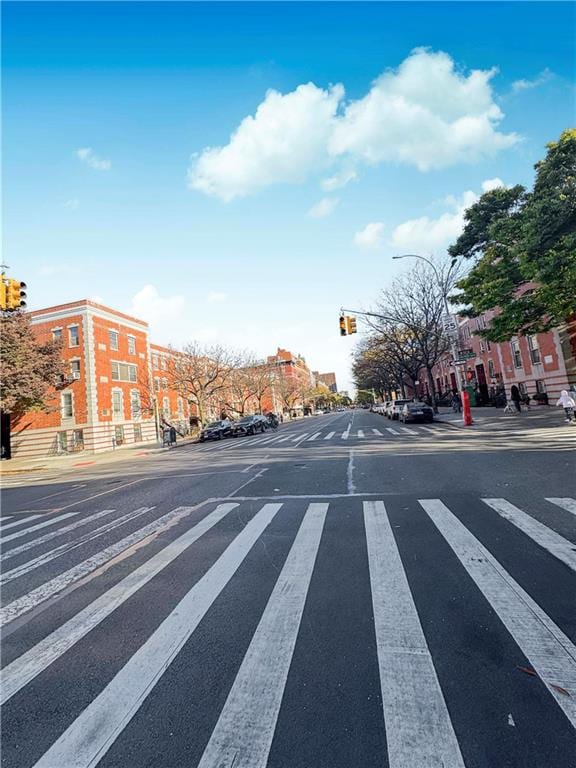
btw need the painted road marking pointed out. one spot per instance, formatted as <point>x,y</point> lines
<point>330,435</point>
<point>245,728</point>
<point>26,667</point>
<point>392,431</point>
<point>547,648</point>
<point>409,431</point>
<point>377,432</point>
<point>315,436</point>
<point>68,546</point>
<point>33,528</point>
<point>19,521</point>
<point>538,532</point>
<point>360,433</point>
<point>82,744</point>
<point>300,437</point>
<point>567,504</point>
<point>418,727</point>
<point>52,587</point>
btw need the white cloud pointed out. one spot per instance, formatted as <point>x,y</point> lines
<point>339,180</point>
<point>283,142</point>
<point>425,235</point>
<point>216,297</point>
<point>370,236</point>
<point>71,204</point>
<point>427,113</point>
<point>157,310</point>
<point>524,85</point>
<point>490,184</point>
<point>86,154</point>
<point>323,208</point>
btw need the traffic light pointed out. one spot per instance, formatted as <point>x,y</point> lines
<point>351,325</point>
<point>3,294</point>
<point>342,325</point>
<point>15,294</point>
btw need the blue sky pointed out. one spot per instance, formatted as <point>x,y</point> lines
<point>340,134</point>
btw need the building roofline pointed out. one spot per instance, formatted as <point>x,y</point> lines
<point>83,304</point>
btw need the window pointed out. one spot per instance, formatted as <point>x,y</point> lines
<point>541,387</point>
<point>491,371</point>
<point>57,333</point>
<point>164,383</point>
<point>165,407</point>
<point>119,435</point>
<point>62,442</point>
<point>113,339</point>
<point>534,349</point>
<point>466,332</point>
<point>155,362</point>
<point>522,388</point>
<point>515,347</point>
<point>180,407</point>
<point>480,323</point>
<point>487,345</point>
<point>131,345</point>
<point>73,338</point>
<point>124,372</point>
<point>67,405</point>
<point>137,433</point>
<point>156,384</point>
<point>135,409</point>
<point>163,363</point>
<point>78,439</point>
<point>117,405</point>
<point>75,368</point>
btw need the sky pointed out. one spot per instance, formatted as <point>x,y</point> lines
<point>237,172</point>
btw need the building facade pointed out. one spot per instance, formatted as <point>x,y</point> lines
<point>539,365</point>
<point>108,397</point>
<point>328,379</point>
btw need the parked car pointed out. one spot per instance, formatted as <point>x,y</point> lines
<point>416,411</point>
<point>248,425</point>
<point>394,408</point>
<point>216,430</point>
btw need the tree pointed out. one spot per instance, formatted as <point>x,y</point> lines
<point>203,373</point>
<point>249,385</point>
<point>524,247</point>
<point>30,368</point>
<point>289,390</point>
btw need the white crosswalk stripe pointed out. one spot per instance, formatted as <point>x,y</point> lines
<point>18,521</point>
<point>300,437</point>
<point>553,542</point>
<point>420,728</point>
<point>38,526</point>
<point>330,435</point>
<point>407,673</point>
<point>392,431</point>
<point>377,432</point>
<point>315,436</point>
<point>409,431</point>
<point>567,504</point>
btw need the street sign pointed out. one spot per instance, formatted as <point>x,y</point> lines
<point>465,354</point>
<point>449,323</point>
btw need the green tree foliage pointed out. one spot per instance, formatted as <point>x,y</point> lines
<point>29,368</point>
<point>524,246</point>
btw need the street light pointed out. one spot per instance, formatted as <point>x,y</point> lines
<point>442,286</point>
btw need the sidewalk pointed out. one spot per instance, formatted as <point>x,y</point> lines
<point>540,415</point>
<point>65,462</point>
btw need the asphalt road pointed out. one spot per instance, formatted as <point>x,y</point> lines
<point>344,593</point>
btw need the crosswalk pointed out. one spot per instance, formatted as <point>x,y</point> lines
<point>202,620</point>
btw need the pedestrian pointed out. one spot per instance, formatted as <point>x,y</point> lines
<point>515,397</point>
<point>567,402</point>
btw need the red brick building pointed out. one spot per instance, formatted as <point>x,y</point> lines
<point>328,379</point>
<point>111,391</point>
<point>544,363</point>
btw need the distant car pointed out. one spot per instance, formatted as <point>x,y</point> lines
<point>416,411</point>
<point>216,430</point>
<point>394,408</point>
<point>248,425</point>
<point>318,412</point>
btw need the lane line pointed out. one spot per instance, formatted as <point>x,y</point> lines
<point>243,734</point>
<point>57,584</point>
<point>315,436</point>
<point>419,731</point>
<point>53,534</point>
<point>350,474</point>
<point>69,546</point>
<point>330,435</point>
<point>38,527</point>
<point>19,522</point>
<point>548,539</point>
<point>34,661</point>
<point>568,504</point>
<point>392,431</point>
<point>91,735</point>
<point>549,651</point>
